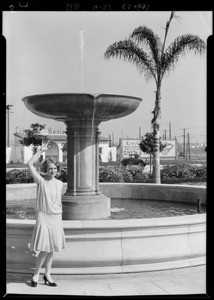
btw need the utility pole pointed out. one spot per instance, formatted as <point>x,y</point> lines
<point>184,143</point>
<point>109,140</point>
<point>112,139</point>
<point>8,107</point>
<point>139,133</point>
<point>165,133</point>
<point>176,147</point>
<point>170,133</point>
<point>188,139</point>
<point>184,135</point>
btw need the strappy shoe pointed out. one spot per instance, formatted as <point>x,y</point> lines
<point>48,282</point>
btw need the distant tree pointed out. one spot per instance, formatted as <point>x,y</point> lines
<point>33,136</point>
<point>147,145</point>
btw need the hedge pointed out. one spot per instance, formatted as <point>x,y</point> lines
<point>19,176</point>
<point>123,174</point>
<point>179,173</point>
<point>183,173</point>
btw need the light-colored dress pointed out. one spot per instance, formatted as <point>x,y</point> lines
<point>48,233</point>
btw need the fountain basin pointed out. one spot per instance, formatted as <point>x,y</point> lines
<point>117,246</point>
<point>75,106</point>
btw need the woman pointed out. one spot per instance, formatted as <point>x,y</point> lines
<point>48,235</point>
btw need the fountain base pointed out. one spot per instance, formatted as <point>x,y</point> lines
<point>115,246</point>
<point>86,207</point>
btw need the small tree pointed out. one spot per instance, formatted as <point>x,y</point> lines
<point>33,136</point>
<point>147,145</point>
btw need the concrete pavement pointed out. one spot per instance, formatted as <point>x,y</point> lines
<point>183,281</point>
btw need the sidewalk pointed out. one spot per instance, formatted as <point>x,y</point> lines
<point>169,282</point>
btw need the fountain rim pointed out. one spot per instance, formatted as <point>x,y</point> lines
<point>130,223</point>
<point>133,222</point>
<point>117,235</point>
<point>92,95</point>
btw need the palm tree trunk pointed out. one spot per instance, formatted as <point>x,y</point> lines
<point>156,159</point>
<point>156,132</point>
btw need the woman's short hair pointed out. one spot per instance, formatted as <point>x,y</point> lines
<point>50,160</point>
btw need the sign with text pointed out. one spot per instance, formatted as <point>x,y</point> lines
<point>131,146</point>
<point>48,131</point>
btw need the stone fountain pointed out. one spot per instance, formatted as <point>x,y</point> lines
<point>82,114</point>
<point>104,246</point>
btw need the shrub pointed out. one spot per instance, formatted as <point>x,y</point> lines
<point>62,175</point>
<point>110,174</point>
<point>122,174</point>
<point>184,172</point>
<point>179,173</point>
<point>19,176</point>
<point>137,173</point>
<point>24,176</point>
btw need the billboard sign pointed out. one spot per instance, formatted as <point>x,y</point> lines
<point>131,146</point>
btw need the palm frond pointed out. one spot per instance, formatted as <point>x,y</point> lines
<point>130,52</point>
<point>146,37</point>
<point>180,46</point>
<point>166,31</point>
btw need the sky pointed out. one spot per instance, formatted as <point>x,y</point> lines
<point>45,55</point>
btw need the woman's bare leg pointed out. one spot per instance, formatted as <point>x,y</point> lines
<point>39,262</point>
<point>48,264</point>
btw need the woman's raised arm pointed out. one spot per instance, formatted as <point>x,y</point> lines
<point>45,146</point>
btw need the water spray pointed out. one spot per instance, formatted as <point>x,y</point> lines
<point>82,42</point>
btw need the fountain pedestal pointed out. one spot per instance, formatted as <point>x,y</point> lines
<point>82,113</point>
<point>83,200</point>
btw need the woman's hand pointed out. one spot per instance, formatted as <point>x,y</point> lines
<point>45,145</point>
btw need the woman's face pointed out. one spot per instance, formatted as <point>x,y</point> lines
<point>51,170</point>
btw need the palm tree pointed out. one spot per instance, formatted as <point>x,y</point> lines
<point>146,51</point>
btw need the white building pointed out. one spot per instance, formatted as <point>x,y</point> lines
<point>21,154</point>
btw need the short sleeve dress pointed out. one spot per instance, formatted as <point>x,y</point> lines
<point>48,234</point>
